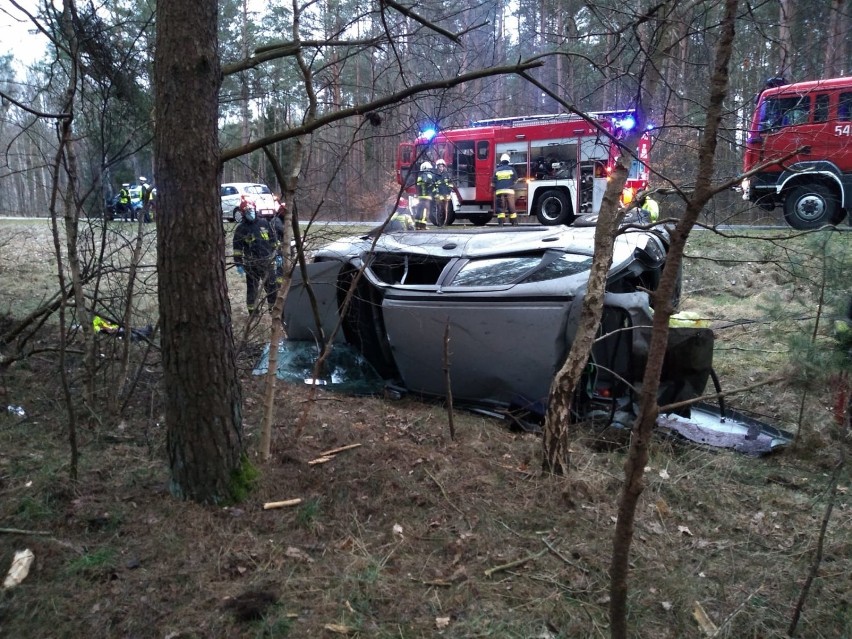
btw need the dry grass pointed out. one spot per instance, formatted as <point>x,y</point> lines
<point>412,534</point>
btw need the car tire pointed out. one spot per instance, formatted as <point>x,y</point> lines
<point>451,215</point>
<point>810,206</point>
<point>553,207</point>
<point>237,216</point>
<point>433,215</point>
<point>480,219</point>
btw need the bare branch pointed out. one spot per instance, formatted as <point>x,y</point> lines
<point>38,114</point>
<point>426,23</point>
<point>291,48</point>
<point>319,122</point>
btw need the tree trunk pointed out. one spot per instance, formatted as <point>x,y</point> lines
<point>202,390</point>
<point>634,466</point>
<point>555,442</point>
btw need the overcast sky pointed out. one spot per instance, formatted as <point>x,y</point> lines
<point>17,34</point>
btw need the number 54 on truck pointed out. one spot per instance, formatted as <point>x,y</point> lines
<point>799,151</point>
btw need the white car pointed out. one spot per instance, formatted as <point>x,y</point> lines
<point>237,195</point>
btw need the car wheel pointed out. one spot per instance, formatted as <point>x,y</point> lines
<point>237,216</point>
<point>553,207</point>
<point>809,206</point>
<point>451,214</point>
<point>481,219</point>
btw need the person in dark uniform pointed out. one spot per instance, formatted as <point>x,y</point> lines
<point>425,195</point>
<point>503,182</point>
<point>443,193</point>
<point>254,255</point>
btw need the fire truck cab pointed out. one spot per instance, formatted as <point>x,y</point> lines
<point>800,149</point>
<point>563,162</point>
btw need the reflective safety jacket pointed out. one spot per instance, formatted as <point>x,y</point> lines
<point>504,179</point>
<point>652,209</point>
<point>124,196</point>
<point>400,221</point>
<point>254,243</point>
<point>426,185</point>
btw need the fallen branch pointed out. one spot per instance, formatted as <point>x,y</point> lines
<point>19,531</point>
<point>281,504</point>
<point>513,564</point>
<point>320,460</point>
<point>334,451</point>
<point>563,557</point>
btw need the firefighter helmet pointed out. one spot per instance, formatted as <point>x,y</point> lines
<point>505,158</point>
<point>440,163</point>
<point>426,166</point>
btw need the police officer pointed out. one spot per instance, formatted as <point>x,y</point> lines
<point>425,193</point>
<point>503,181</point>
<point>443,193</point>
<point>254,255</point>
<point>146,198</point>
<point>124,209</point>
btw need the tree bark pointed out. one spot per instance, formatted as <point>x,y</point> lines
<point>555,441</point>
<point>634,466</point>
<point>202,390</point>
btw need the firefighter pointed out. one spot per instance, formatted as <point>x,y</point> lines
<point>503,183</point>
<point>425,193</point>
<point>648,209</point>
<point>443,193</point>
<point>124,208</point>
<point>254,255</point>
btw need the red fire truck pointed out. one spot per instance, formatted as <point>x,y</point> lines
<point>807,128</point>
<point>562,162</point>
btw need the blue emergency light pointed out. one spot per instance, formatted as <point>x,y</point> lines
<point>626,123</point>
<point>428,133</point>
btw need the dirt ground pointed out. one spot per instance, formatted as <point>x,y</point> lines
<point>409,533</point>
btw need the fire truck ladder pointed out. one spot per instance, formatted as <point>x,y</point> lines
<point>548,118</point>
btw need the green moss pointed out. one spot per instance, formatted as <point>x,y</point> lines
<point>243,480</point>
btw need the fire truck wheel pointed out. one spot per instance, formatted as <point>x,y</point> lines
<point>554,208</point>
<point>480,219</point>
<point>809,206</point>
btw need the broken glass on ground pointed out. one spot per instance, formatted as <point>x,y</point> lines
<point>345,370</point>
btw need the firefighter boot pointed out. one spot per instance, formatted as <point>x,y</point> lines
<point>514,221</point>
<point>501,221</point>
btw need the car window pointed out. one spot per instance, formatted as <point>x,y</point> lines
<point>501,271</point>
<point>407,270</point>
<point>264,189</point>
<point>495,271</point>
<point>560,265</point>
<point>229,190</point>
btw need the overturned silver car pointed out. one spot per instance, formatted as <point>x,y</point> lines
<point>509,301</point>
<point>489,315</point>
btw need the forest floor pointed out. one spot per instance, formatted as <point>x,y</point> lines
<point>411,533</point>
